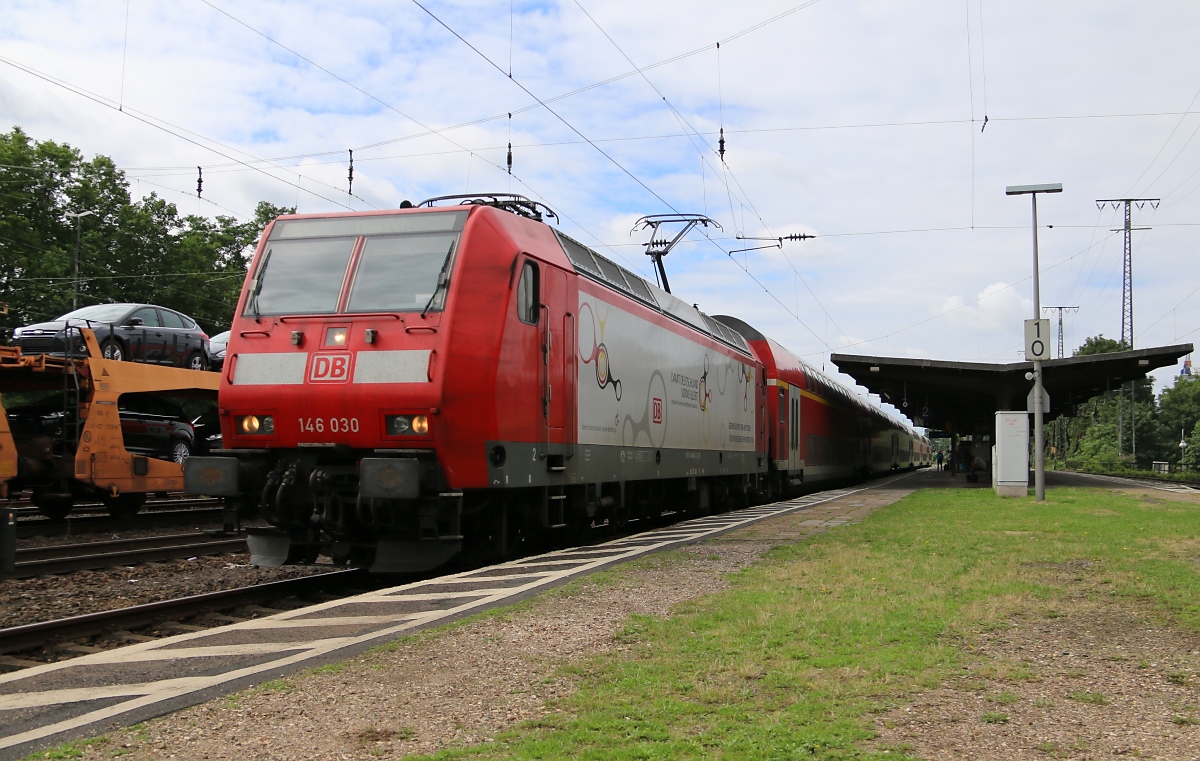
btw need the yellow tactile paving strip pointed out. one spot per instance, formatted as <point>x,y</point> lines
<point>57,701</point>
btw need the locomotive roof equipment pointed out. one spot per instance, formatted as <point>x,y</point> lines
<point>656,249</point>
<point>511,202</point>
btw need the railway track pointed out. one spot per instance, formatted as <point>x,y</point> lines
<point>90,524</point>
<point>23,507</point>
<point>86,556</point>
<point>1162,484</point>
<point>108,685</point>
<point>18,638</point>
<point>75,631</point>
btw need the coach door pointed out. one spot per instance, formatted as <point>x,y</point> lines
<point>554,354</point>
<point>782,436</point>
<point>794,460</point>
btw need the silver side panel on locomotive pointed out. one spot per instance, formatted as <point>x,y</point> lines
<point>642,385</point>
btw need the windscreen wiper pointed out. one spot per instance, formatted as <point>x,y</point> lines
<point>443,279</point>
<point>258,284</point>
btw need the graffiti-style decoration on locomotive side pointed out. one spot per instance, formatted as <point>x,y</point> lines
<point>458,377</point>
<point>591,333</point>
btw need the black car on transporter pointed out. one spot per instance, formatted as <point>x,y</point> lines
<point>138,332</point>
<point>46,429</point>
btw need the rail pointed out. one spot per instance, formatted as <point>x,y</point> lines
<point>64,558</point>
<point>29,636</point>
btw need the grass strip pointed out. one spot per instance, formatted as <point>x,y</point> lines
<point>797,655</point>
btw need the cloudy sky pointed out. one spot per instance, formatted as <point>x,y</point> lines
<point>858,121</point>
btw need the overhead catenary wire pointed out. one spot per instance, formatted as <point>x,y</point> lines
<point>971,94</point>
<point>244,165</point>
<point>149,121</point>
<point>429,130</point>
<point>983,68</point>
<point>599,149</point>
<point>549,110</point>
<point>964,305</point>
<point>684,122</point>
<point>1175,158</point>
<point>1166,142</point>
<point>603,82</point>
<point>124,56</point>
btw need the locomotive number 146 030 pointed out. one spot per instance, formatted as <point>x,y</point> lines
<point>332,425</point>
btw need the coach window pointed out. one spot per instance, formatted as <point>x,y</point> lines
<point>527,294</point>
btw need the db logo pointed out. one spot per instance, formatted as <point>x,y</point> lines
<point>329,368</point>
<point>656,410</point>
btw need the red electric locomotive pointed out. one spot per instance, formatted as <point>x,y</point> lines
<point>405,385</point>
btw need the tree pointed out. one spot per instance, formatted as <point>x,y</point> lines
<point>1190,457</point>
<point>1099,345</point>
<point>137,251</point>
<point>41,183</point>
<point>1178,414</point>
<point>1110,426</point>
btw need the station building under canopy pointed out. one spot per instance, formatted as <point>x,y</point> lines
<point>962,398</point>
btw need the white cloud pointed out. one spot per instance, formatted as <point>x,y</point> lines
<point>794,98</point>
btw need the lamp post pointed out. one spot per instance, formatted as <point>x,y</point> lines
<point>1039,435</point>
<point>78,245</point>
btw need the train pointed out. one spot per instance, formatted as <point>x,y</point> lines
<point>406,386</point>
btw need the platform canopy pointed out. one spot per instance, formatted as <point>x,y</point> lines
<point>963,397</point>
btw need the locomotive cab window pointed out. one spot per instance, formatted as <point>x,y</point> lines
<point>527,294</point>
<point>403,273</point>
<point>300,277</point>
<point>405,264</point>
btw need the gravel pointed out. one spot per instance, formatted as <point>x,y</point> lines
<point>46,598</point>
<point>1097,680</point>
<point>459,686</point>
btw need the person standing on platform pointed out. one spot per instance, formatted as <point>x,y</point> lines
<point>939,459</point>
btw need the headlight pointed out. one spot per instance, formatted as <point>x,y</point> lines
<point>407,425</point>
<point>253,425</point>
<point>335,337</point>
